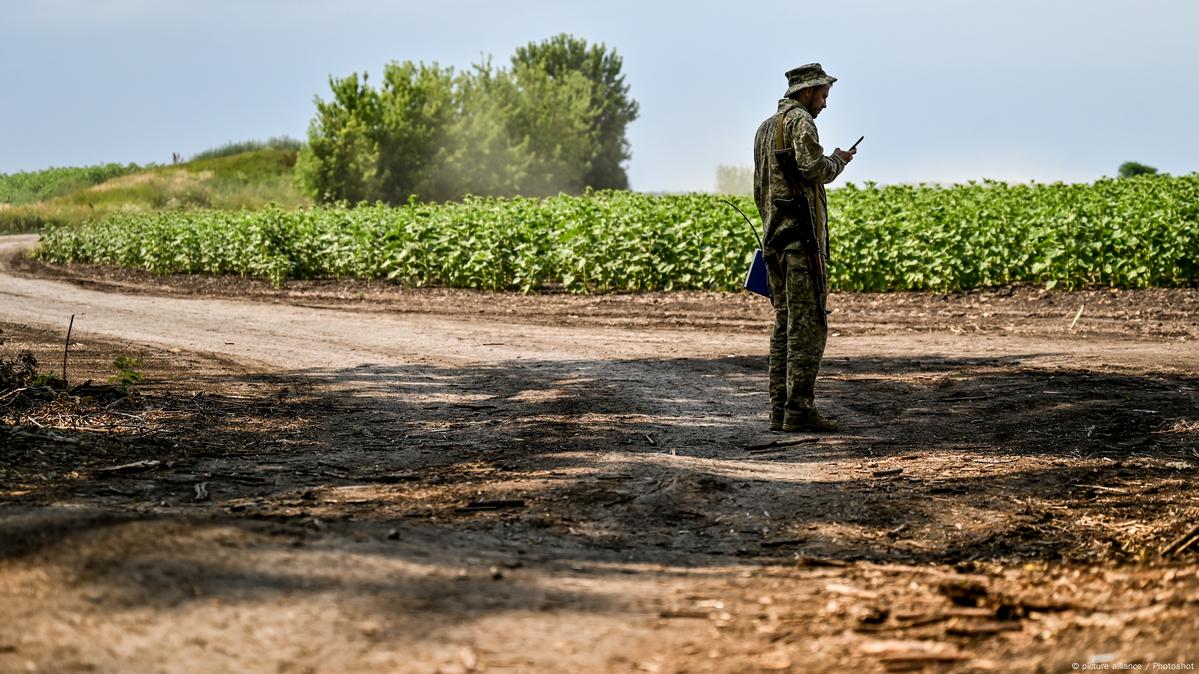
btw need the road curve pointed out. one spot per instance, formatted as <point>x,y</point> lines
<point>286,336</point>
<point>283,335</point>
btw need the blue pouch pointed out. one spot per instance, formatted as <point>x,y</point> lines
<point>755,279</point>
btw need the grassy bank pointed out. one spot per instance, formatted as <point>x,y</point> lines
<point>230,177</point>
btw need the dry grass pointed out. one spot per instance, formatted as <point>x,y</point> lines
<point>249,180</point>
<point>169,179</point>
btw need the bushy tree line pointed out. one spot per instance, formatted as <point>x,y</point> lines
<point>553,121</point>
<point>734,179</point>
<point>286,143</point>
<point>1130,169</point>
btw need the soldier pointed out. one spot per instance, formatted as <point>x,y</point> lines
<point>790,172</point>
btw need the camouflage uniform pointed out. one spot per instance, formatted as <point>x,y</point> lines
<point>797,343</point>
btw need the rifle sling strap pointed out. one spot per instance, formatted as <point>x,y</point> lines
<point>800,209</point>
<point>779,145</point>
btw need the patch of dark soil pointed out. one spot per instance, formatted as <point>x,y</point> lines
<point>151,442</point>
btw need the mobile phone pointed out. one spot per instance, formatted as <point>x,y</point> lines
<point>851,147</point>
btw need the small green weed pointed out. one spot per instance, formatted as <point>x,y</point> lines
<point>51,379</point>
<point>127,374</point>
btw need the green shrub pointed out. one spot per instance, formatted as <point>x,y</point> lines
<point>285,143</point>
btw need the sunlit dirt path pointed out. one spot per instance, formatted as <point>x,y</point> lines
<point>648,525</point>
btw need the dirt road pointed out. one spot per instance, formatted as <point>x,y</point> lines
<point>997,501</point>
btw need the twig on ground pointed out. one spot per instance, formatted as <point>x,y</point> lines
<point>1180,544</point>
<point>14,392</point>
<point>134,467</point>
<point>66,348</point>
<point>1114,490</point>
<point>476,506</point>
<point>779,443</point>
<point>1077,316</point>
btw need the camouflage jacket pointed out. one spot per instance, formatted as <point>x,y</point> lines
<point>815,171</point>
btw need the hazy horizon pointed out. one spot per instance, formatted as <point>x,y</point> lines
<point>944,92</point>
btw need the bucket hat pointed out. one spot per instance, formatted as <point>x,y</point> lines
<point>809,75</point>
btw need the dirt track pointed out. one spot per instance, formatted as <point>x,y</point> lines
<point>996,501</point>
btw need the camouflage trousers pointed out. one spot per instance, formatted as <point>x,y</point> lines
<point>797,344</point>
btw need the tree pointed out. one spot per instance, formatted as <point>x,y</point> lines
<point>415,108</point>
<point>517,132</point>
<point>377,145</point>
<point>479,155</point>
<point>553,122</point>
<point>342,155</point>
<point>734,179</point>
<point>562,56</point>
<point>1131,168</point>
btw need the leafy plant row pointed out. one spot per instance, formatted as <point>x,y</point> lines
<point>1129,233</point>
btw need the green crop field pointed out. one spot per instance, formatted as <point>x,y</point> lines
<point>1136,232</point>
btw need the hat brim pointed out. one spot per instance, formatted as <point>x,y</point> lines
<point>818,82</point>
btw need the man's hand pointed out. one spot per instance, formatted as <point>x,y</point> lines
<point>845,156</point>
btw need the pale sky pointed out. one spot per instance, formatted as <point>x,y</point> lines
<point>943,90</point>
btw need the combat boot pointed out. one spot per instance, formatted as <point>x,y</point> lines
<point>811,422</point>
<point>776,419</point>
